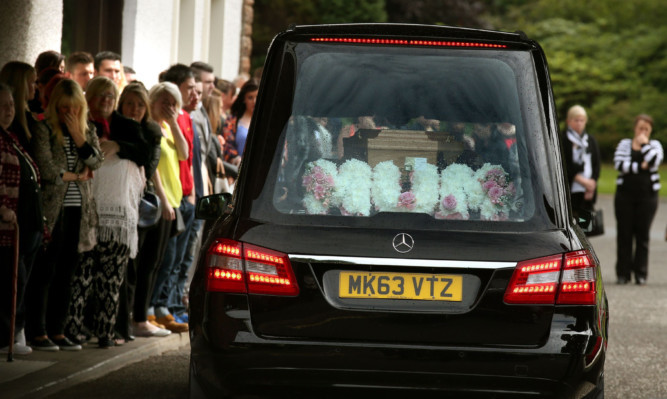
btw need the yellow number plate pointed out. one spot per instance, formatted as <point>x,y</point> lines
<point>380,285</point>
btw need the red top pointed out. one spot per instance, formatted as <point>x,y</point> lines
<point>185,124</point>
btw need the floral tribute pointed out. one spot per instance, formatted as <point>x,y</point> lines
<point>424,181</point>
<point>353,188</point>
<point>499,192</point>
<point>319,182</point>
<point>457,193</point>
<point>386,187</point>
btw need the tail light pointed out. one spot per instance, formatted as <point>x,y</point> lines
<point>559,279</point>
<point>578,282</point>
<point>244,268</point>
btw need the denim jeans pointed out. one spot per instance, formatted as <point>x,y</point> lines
<point>180,276</point>
<point>173,256</point>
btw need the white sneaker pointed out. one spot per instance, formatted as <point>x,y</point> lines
<point>19,349</point>
<point>20,337</point>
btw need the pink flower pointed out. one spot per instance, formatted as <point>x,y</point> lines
<point>488,185</point>
<point>495,194</point>
<point>407,200</point>
<point>449,202</point>
<point>320,191</point>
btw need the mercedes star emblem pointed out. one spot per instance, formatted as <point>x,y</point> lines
<point>403,243</point>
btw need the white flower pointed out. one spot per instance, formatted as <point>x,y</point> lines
<point>353,188</point>
<point>386,186</point>
<point>425,188</point>
<point>454,188</point>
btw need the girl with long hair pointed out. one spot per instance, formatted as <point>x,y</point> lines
<point>67,152</point>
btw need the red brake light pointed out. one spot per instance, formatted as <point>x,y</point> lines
<point>534,281</point>
<point>578,282</point>
<point>539,281</point>
<point>245,268</point>
<point>434,43</point>
<point>269,272</point>
<point>225,272</point>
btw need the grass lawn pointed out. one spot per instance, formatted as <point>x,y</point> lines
<point>607,181</point>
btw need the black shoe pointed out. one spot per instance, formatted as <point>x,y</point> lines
<point>106,343</point>
<point>641,280</point>
<point>80,339</point>
<point>622,281</point>
<point>44,345</point>
<point>123,335</point>
<point>66,345</point>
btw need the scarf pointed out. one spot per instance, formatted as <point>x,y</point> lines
<point>580,156</point>
<point>118,186</point>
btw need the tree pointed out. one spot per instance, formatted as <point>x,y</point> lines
<point>445,12</point>
<point>609,56</point>
<point>274,16</point>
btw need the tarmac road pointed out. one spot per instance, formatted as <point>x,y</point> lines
<point>636,365</point>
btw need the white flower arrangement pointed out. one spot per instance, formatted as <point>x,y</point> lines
<point>386,186</point>
<point>453,194</point>
<point>353,188</point>
<point>319,182</point>
<point>456,192</point>
<point>424,181</point>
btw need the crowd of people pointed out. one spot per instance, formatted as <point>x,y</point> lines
<point>81,142</point>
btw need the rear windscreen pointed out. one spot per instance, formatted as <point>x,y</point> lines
<point>439,134</point>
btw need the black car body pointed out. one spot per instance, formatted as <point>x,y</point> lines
<point>400,224</point>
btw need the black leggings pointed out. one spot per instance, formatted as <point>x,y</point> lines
<point>49,289</point>
<point>634,215</point>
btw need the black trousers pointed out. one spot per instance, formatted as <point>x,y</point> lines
<point>49,289</point>
<point>148,262</point>
<point>29,244</point>
<point>634,215</point>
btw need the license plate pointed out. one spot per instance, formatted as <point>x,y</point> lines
<point>419,286</point>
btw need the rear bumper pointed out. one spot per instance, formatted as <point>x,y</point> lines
<point>298,369</point>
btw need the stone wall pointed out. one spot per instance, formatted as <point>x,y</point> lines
<point>246,36</point>
<point>29,27</point>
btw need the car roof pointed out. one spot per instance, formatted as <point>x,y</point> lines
<point>391,29</point>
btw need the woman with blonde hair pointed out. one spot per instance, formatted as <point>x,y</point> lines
<point>134,104</point>
<point>67,151</point>
<point>582,160</point>
<point>213,106</point>
<point>164,104</point>
<point>117,189</point>
<point>21,77</point>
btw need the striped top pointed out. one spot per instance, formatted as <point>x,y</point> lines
<point>629,166</point>
<point>73,194</point>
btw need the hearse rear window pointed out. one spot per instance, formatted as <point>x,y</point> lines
<point>403,130</point>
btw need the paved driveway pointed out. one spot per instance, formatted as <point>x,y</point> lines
<point>636,364</point>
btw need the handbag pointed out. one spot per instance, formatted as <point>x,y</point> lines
<point>150,209</point>
<point>597,223</point>
<point>178,225</point>
<point>221,185</point>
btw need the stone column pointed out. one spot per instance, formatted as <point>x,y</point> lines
<point>246,36</point>
<point>29,27</point>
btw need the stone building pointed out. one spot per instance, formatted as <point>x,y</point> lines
<point>150,35</point>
